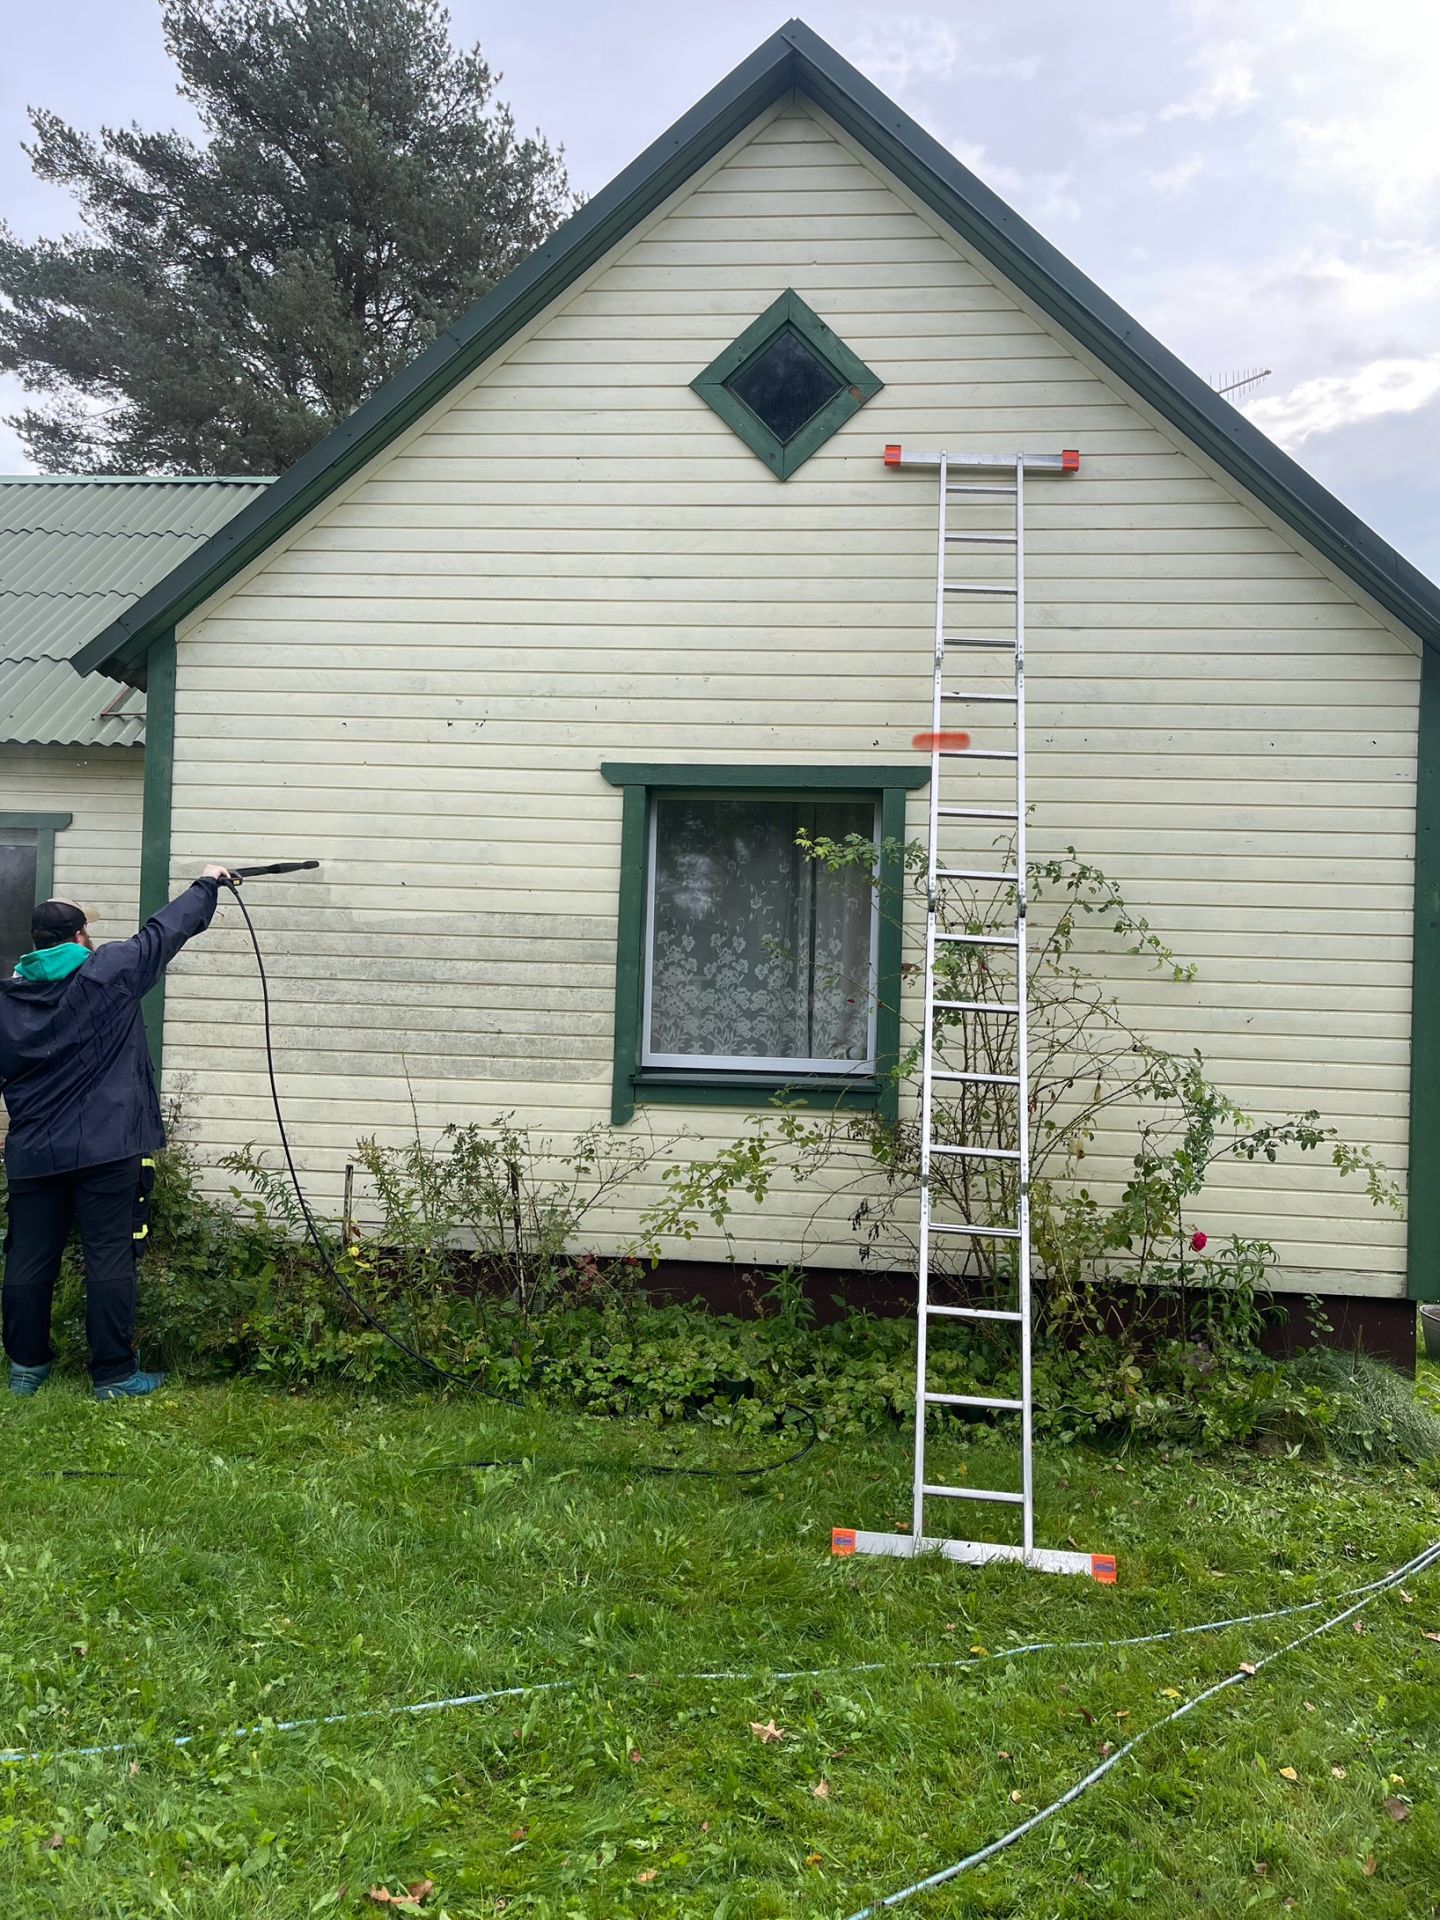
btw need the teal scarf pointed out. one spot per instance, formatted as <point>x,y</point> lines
<point>52,963</point>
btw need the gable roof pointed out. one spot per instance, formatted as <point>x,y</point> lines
<point>74,551</point>
<point>793,58</point>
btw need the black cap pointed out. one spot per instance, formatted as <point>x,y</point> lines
<point>55,921</point>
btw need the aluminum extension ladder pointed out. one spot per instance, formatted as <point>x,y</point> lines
<point>998,480</point>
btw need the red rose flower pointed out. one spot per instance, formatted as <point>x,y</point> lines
<point>1198,1242</point>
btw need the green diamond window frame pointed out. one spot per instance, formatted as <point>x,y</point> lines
<point>859,384</point>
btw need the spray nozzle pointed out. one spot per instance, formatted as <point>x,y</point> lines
<point>237,874</point>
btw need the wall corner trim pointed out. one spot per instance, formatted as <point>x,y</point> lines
<point>155,818</point>
<point>1422,1263</point>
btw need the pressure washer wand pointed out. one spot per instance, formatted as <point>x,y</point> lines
<point>237,874</point>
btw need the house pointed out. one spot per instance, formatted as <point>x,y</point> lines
<point>548,652</point>
<point>74,553</point>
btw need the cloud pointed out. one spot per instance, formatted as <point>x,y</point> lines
<point>1121,126</point>
<point>1380,283</point>
<point>895,50</point>
<point>1175,179</point>
<point>1039,196</point>
<point>1345,400</point>
<point>1310,311</point>
<point>1226,84</point>
<point>1391,157</point>
<point>1352,87</point>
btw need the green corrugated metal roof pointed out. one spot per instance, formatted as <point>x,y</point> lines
<point>75,553</point>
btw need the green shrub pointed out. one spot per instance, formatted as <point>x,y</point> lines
<point>226,1288</point>
<point>1378,1413</point>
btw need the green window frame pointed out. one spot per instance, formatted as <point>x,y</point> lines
<point>44,826</point>
<point>634,1085</point>
<point>859,384</point>
<point>39,831</point>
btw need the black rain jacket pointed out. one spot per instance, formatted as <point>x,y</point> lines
<point>74,1061</point>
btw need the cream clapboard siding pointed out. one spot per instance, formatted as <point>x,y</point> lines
<point>97,857</point>
<point>575,561</point>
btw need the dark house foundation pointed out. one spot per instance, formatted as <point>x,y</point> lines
<point>1384,1328</point>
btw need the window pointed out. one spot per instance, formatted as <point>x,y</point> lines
<point>27,875</point>
<point>786,384</point>
<point>742,967</point>
<point>17,898</point>
<point>756,957</point>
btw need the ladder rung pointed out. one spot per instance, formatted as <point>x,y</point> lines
<point>975,1313</point>
<point>976,873</point>
<point>976,1079</point>
<point>978,753</point>
<point>974,1006</point>
<point>980,696</point>
<point>976,1153</point>
<point>979,939</point>
<point>973,640</point>
<point>990,1233</point>
<point>976,486</point>
<point>975,1493</point>
<point>974,1400</point>
<point>978,813</point>
<point>969,586</point>
<point>975,539</point>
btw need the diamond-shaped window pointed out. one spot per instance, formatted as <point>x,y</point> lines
<point>786,384</point>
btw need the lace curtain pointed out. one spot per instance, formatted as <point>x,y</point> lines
<point>758,955</point>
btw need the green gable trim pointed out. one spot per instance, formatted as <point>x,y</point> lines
<point>794,58</point>
<point>783,457</point>
<point>44,826</point>
<point>155,819</point>
<point>632,1085</point>
<point>1423,1248</point>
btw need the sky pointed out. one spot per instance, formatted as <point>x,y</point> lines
<point>1257,181</point>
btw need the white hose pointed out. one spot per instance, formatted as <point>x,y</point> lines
<point>1419,1564</point>
<point>19,1756</point>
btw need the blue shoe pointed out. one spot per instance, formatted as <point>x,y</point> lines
<point>138,1383</point>
<point>27,1380</point>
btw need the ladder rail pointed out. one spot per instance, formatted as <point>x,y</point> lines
<point>927,1051</point>
<point>1022,1039</point>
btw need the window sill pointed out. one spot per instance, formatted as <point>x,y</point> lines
<point>674,1086</point>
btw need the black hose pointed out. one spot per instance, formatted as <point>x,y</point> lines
<point>471,1382</point>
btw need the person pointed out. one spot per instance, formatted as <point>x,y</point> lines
<point>85,1125</point>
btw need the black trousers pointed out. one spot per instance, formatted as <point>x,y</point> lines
<point>107,1204</point>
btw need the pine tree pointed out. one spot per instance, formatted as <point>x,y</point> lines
<point>229,301</point>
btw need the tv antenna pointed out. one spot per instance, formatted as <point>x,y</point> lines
<point>1234,385</point>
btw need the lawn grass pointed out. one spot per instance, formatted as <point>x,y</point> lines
<point>262,1557</point>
